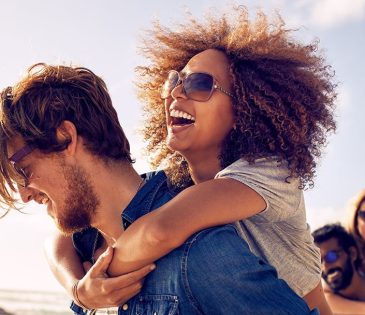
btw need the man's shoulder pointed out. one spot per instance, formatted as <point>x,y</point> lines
<point>342,305</point>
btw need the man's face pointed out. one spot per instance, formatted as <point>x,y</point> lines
<point>337,265</point>
<point>63,187</point>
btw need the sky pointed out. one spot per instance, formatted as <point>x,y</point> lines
<point>105,36</point>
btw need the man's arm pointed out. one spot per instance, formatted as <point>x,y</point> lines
<point>95,288</point>
<point>343,306</point>
<point>63,260</point>
<point>212,203</point>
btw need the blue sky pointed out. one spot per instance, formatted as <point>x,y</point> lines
<point>104,36</point>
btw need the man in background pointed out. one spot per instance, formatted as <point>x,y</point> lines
<point>341,269</point>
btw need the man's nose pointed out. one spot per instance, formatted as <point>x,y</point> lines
<point>26,193</point>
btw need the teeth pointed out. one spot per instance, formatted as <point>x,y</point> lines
<point>180,114</point>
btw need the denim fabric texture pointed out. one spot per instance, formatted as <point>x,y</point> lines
<point>213,272</point>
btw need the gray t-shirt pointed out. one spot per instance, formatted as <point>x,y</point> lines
<point>280,233</point>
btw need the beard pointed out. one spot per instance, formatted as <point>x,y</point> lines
<point>81,201</point>
<point>343,281</point>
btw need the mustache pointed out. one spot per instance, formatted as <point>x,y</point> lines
<point>331,271</point>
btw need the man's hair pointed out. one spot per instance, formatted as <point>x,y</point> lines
<point>345,239</point>
<point>48,95</point>
<point>284,97</point>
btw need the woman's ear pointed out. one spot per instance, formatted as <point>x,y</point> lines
<point>67,132</point>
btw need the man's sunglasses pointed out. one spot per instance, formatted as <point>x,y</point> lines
<point>332,256</point>
<point>14,161</point>
<point>197,86</point>
<point>361,214</point>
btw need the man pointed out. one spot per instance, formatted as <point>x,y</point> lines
<point>61,143</point>
<point>341,269</point>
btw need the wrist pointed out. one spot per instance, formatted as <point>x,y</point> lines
<point>76,297</point>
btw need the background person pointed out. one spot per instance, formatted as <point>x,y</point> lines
<point>356,220</point>
<point>341,269</point>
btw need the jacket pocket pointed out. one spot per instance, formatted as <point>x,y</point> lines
<point>157,305</point>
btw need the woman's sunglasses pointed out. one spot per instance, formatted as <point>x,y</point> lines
<point>361,214</point>
<point>197,86</point>
<point>332,256</point>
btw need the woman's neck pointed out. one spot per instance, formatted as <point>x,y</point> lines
<point>204,170</point>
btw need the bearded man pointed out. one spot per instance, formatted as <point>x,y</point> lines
<point>341,269</point>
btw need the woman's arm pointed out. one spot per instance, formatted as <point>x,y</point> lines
<point>212,203</point>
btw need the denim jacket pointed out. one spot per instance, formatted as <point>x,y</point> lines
<point>213,272</point>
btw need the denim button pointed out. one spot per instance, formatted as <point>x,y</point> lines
<point>125,307</point>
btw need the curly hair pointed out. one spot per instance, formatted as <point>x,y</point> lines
<point>284,94</point>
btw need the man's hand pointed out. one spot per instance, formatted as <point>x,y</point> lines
<point>97,290</point>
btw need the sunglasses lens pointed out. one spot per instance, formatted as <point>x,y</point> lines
<point>22,178</point>
<point>331,257</point>
<point>170,83</point>
<point>198,86</point>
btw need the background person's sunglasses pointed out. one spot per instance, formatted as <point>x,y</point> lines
<point>332,256</point>
<point>197,86</point>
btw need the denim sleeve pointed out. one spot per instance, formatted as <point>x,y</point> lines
<point>77,310</point>
<point>222,276</point>
<point>85,243</point>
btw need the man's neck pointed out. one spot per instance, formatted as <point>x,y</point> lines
<point>116,185</point>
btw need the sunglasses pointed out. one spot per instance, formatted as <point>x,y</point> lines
<point>16,158</point>
<point>332,256</point>
<point>361,214</point>
<point>197,86</point>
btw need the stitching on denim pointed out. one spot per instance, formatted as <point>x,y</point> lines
<point>184,273</point>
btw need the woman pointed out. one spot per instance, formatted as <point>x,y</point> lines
<point>356,220</point>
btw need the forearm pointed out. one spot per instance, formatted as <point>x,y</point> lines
<point>152,236</point>
<point>63,261</point>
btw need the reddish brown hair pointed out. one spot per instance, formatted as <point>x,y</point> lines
<point>47,95</point>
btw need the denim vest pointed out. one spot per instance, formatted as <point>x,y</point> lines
<point>213,272</point>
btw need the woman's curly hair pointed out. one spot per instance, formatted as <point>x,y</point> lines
<point>284,94</point>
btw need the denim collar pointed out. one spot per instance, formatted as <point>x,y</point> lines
<point>142,202</point>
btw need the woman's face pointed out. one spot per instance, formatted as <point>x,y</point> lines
<point>361,221</point>
<point>199,136</point>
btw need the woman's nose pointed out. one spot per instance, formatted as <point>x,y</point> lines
<point>178,91</point>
